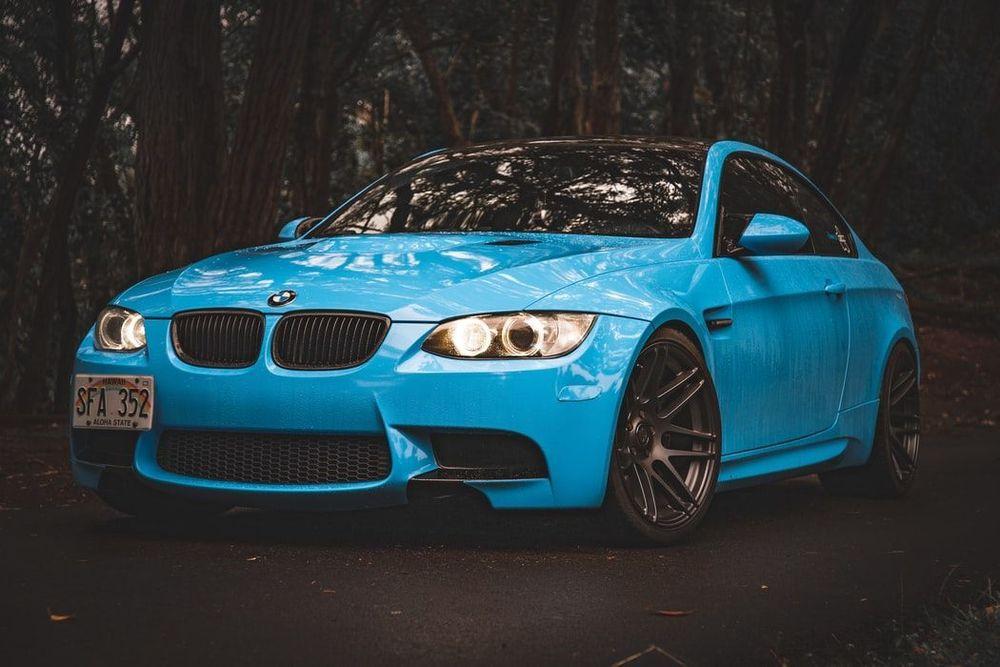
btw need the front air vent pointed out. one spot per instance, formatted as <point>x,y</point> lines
<point>112,448</point>
<point>274,458</point>
<point>218,338</point>
<point>325,341</point>
<point>486,455</point>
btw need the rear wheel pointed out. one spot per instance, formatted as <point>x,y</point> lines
<point>667,445</point>
<point>123,492</point>
<point>892,467</point>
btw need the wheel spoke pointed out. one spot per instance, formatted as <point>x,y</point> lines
<point>646,489</point>
<point>675,384</point>
<point>678,490</point>
<point>691,433</point>
<point>681,400</point>
<point>901,387</point>
<point>652,370</point>
<point>904,461</point>
<point>686,454</point>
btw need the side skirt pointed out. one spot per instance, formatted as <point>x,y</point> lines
<point>847,443</point>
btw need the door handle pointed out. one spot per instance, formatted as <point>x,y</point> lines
<point>835,289</point>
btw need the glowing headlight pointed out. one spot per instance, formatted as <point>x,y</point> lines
<point>119,330</point>
<point>512,335</point>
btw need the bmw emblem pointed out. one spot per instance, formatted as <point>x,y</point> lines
<point>282,298</point>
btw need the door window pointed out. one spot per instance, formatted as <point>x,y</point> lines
<point>753,184</point>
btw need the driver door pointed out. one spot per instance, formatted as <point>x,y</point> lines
<point>781,364</point>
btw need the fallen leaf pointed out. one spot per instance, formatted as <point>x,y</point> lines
<point>253,558</point>
<point>59,618</point>
<point>328,591</point>
<point>673,613</point>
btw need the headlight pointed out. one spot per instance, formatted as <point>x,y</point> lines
<point>119,330</point>
<point>512,335</point>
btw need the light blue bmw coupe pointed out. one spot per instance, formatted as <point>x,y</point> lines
<point>562,323</point>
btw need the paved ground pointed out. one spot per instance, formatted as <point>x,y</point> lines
<point>774,571</point>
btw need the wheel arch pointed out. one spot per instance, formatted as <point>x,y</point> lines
<point>904,336</point>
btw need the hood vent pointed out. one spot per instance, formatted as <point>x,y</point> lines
<point>506,242</point>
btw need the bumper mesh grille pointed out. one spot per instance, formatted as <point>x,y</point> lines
<point>319,341</point>
<point>270,458</point>
<point>218,338</point>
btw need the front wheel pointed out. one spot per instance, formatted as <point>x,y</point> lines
<point>892,466</point>
<point>665,459</point>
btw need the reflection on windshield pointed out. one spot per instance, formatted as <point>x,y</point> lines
<point>621,188</point>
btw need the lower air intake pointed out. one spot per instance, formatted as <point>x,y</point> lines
<point>269,458</point>
<point>486,455</point>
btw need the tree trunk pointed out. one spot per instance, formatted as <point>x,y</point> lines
<point>606,107</point>
<point>680,94</point>
<point>242,207</point>
<point>867,20</point>
<point>565,112</point>
<point>517,29</point>
<point>46,241</point>
<point>313,131</point>
<point>417,32</point>
<point>181,142</point>
<point>787,111</point>
<point>905,93</point>
<point>330,60</point>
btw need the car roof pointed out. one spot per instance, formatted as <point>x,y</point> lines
<point>674,143</point>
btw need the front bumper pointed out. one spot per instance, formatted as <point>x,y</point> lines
<point>568,406</point>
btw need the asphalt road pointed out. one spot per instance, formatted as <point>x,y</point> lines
<point>774,571</point>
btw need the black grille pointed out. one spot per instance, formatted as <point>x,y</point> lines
<point>319,341</point>
<point>218,338</point>
<point>266,458</point>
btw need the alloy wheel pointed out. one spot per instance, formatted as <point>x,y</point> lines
<point>903,417</point>
<point>667,443</point>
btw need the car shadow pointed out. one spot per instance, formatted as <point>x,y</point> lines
<point>466,521</point>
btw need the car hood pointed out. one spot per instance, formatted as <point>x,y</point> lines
<point>409,277</point>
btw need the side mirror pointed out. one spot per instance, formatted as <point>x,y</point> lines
<point>293,229</point>
<point>772,234</point>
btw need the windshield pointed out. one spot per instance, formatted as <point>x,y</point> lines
<point>570,188</point>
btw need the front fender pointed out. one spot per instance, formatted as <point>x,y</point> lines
<point>688,292</point>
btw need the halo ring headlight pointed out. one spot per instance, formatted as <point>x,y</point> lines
<point>119,330</point>
<point>519,335</point>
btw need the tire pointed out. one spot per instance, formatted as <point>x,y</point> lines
<point>126,494</point>
<point>667,442</point>
<point>891,469</point>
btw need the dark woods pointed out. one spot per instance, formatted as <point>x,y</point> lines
<point>138,135</point>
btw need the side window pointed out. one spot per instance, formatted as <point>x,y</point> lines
<point>756,185</point>
<point>828,233</point>
<point>752,185</point>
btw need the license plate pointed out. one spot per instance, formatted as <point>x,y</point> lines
<point>123,402</point>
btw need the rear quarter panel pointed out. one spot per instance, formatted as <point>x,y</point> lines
<point>879,318</point>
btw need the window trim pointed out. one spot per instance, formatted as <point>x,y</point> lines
<point>801,178</point>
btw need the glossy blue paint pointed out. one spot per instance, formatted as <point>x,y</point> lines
<point>797,373</point>
<point>770,234</point>
<point>289,230</point>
